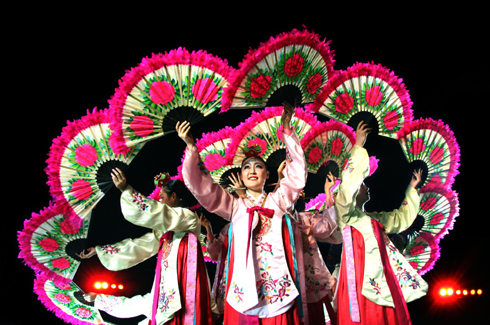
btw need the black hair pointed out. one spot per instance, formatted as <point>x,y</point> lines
<point>178,187</point>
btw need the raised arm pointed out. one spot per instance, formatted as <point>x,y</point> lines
<point>400,219</point>
<point>211,196</point>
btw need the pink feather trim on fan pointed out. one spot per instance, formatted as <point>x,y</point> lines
<point>179,56</point>
<point>435,253</point>
<point>373,165</point>
<point>254,56</point>
<point>57,149</point>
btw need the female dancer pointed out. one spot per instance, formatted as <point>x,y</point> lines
<point>180,290</point>
<point>375,280</point>
<point>260,285</point>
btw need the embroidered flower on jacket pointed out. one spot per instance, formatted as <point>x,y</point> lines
<point>375,286</point>
<point>110,249</point>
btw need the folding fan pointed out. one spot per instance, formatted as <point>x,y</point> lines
<point>422,252</point>
<point>81,160</point>
<point>164,89</point>
<point>49,240</point>
<point>263,131</point>
<point>291,66</point>
<point>432,143</point>
<point>328,144</point>
<point>366,90</point>
<point>439,207</point>
<point>212,148</point>
<point>66,301</point>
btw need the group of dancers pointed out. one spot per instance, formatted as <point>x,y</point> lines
<point>269,268</point>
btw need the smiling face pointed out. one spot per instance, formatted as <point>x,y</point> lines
<point>254,174</point>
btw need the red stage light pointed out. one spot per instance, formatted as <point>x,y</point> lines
<point>120,287</point>
<point>479,291</point>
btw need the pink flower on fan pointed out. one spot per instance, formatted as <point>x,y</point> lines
<point>436,218</point>
<point>428,204</point>
<point>71,225</point>
<point>81,189</point>
<point>416,250</point>
<point>374,95</point>
<point>315,155</point>
<point>205,90</point>
<point>294,65</point>
<point>417,146</point>
<point>60,263</point>
<point>279,132</point>
<point>336,147</point>
<point>49,244</point>
<point>391,120</point>
<point>83,312</point>
<point>257,142</point>
<point>436,155</point>
<point>61,297</point>
<point>260,85</point>
<point>85,155</point>
<point>213,161</point>
<point>142,126</point>
<point>161,92</point>
<point>314,83</point>
<point>344,103</point>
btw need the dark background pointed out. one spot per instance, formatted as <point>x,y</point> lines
<point>63,61</point>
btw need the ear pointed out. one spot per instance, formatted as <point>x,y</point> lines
<point>268,173</point>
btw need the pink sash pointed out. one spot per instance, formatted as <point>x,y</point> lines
<point>166,237</point>
<point>351,274</point>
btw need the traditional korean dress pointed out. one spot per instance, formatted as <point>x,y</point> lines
<point>180,291</point>
<point>375,280</point>
<point>260,282</point>
<point>318,282</point>
<point>218,251</point>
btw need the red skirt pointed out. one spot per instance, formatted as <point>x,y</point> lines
<point>291,316</point>
<point>203,314</point>
<point>370,313</point>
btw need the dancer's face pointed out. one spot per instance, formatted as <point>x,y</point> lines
<point>254,174</point>
<point>169,199</point>
<point>363,195</point>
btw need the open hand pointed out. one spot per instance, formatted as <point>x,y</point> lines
<point>238,186</point>
<point>329,182</point>
<point>184,132</point>
<point>362,132</point>
<point>416,178</point>
<point>119,179</point>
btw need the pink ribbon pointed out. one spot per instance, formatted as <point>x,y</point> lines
<point>351,274</point>
<point>190,291</point>
<point>401,309</point>
<point>167,236</point>
<point>269,213</point>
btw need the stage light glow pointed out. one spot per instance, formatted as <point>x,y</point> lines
<point>479,291</point>
<point>443,292</point>
<point>120,287</point>
<point>472,292</point>
<point>113,286</point>
<point>105,285</point>
<point>97,285</point>
<point>465,292</point>
<point>458,292</point>
<point>450,291</point>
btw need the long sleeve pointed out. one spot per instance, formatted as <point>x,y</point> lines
<point>129,252</point>
<point>294,179</point>
<point>211,196</point>
<point>324,226</point>
<point>152,214</point>
<point>398,220</point>
<point>355,171</point>
<point>124,307</point>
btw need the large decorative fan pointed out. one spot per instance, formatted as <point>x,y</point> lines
<point>328,145</point>
<point>164,89</point>
<point>292,66</point>
<point>422,252</point>
<point>439,207</point>
<point>263,132</point>
<point>212,148</point>
<point>432,143</point>
<point>66,301</point>
<point>80,162</point>
<point>50,239</point>
<point>366,90</point>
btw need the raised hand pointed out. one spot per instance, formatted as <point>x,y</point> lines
<point>280,175</point>
<point>287,115</point>
<point>184,132</point>
<point>119,179</point>
<point>329,182</point>
<point>238,186</point>
<point>416,178</point>
<point>362,132</point>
